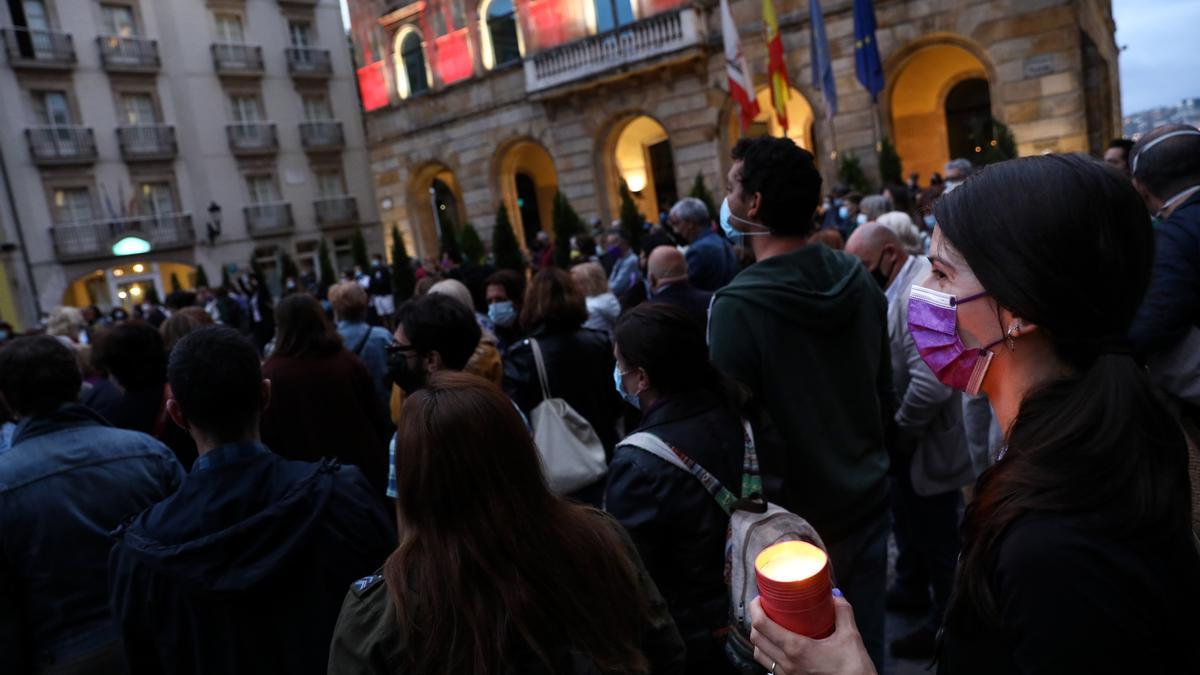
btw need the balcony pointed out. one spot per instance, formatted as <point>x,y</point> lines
<point>128,54</point>
<point>265,220</point>
<point>309,62</point>
<point>147,142</point>
<point>237,59</point>
<point>252,138</point>
<point>39,49</point>
<point>322,136</point>
<point>655,36</point>
<point>336,211</point>
<point>59,145</point>
<point>97,239</point>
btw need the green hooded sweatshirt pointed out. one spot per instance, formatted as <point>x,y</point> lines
<point>806,332</point>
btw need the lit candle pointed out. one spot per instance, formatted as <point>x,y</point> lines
<point>795,588</point>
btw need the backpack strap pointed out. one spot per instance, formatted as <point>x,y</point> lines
<point>541,368</point>
<point>654,445</point>
<point>751,477</point>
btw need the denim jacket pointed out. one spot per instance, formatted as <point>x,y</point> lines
<point>67,481</point>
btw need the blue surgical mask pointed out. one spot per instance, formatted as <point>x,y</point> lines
<point>861,219</point>
<point>843,212</point>
<point>631,399</point>
<point>3,335</point>
<point>502,313</point>
<point>930,221</point>
<point>735,236</point>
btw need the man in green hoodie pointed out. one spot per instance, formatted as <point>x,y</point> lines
<point>805,329</point>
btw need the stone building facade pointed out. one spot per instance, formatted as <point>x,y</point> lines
<point>126,124</point>
<point>643,97</point>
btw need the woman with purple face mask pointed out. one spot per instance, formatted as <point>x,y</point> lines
<point>1078,554</point>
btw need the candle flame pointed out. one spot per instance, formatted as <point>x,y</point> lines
<point>791,561</point>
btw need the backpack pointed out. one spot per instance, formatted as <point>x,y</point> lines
<point>754,524</point>
<point>571,452</point>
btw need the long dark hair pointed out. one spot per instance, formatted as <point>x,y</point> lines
<point>302,329</point>
<point>1065,242</point>
<point>666,342</point>
<point>491,565</point>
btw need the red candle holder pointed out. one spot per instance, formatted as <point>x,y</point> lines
<point>796,589</point>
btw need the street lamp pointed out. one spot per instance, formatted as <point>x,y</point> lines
<point>214,223</point>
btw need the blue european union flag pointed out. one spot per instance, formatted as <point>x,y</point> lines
<point>867,64</point>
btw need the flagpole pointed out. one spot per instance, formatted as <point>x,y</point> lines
<point>875,119</point>
<point>832,137</point>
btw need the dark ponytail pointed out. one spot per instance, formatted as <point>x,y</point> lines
<point>1065,243</point>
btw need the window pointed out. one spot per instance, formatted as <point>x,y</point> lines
<point>245,108</point>
<point>73,205</point>
<point>156,198</point>
<point>137,109</point>
<point>413,75</point>
<point>261,188</point>
<point>343,254</point>
<point>38,22</point>
<point>51,109</point>
<point>229,28</point>
<point>501,34</point>
<point>329,183</point>
<point>316,109</point>
<point>118,20</point>
<point>611,14</point>
<point>300,33</point>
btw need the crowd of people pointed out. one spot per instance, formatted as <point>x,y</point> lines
<point>998,372</point>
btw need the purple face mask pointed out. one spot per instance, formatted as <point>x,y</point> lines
<point>933,322</point>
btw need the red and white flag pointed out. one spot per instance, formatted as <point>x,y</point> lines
<point>740,83</point>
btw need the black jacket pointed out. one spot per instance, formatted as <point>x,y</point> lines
<point>1075,597</point>
<point>579,366</point>
<point>688,298</point>
<point>243,570</point>
<point>678,527</point>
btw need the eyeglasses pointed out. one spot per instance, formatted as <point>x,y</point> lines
<point>397,348</point>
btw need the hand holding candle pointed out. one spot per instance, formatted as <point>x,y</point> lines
<point>795,588</point>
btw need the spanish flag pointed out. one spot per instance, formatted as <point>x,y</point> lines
<point>776,70</point>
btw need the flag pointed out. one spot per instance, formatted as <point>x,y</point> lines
<point>736,70</point>
<point>822,62</point>
<point>867,64</point>
<point>776,70</point>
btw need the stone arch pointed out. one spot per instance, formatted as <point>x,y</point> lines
<point>422,205</point>
<point>654,172</point>
<point>527,180</point>
<point>920,77</point>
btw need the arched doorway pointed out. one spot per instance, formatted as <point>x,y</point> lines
<point>940,104</point>
<point>434,198</point>
<point>528,183</point>
<point>129,284</point>
<point>968,117</point>
<point>641,156</point>
<point>800,119</point>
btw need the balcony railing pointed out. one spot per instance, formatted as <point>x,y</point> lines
<point>321,136</point>
<point>128,54</point>
<point>657,35</point>
<point>336,211</point>
<point>147,142</point>
<point>61,145</point>
<point>235,58</point>
<point>252,138</point>
<point>44,49</point>
<point>264,220</point>
<point>95,239</point>
<point>309,62</point>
